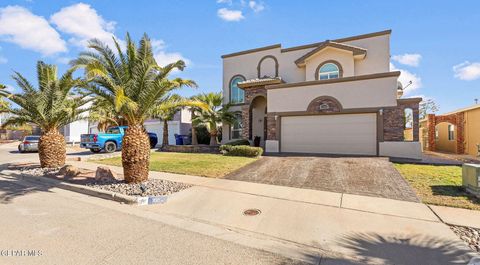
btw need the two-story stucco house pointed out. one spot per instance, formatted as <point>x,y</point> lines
<point>332,97</point>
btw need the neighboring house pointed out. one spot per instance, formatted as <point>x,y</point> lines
<point>454,132</point>
<point>181,124</point>
<point>332,97</point>
<point>72,131</point>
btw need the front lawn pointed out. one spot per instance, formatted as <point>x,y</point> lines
<point>205,165</point>
<point>439,185</point>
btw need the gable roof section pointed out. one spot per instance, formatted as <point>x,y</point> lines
<point>357,51</point>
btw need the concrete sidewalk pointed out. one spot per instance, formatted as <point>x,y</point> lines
<point>345,228</point>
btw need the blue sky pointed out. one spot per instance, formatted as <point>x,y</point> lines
<point>434,43</point>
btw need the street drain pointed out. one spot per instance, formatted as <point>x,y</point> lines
<point>251,212</point>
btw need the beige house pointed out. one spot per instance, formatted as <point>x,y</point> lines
<point>332,97</point>
<point>454,132</point>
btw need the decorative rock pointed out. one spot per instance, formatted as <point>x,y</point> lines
<point>69,171</point>
<point>105,175</point>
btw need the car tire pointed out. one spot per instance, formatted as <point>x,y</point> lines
<point>153,144</point>
<point>95,150</point>
<point>20,149</point>
<point>110,147</point>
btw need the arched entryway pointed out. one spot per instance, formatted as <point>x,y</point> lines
<point>258,123</point>
<point>449,126</point>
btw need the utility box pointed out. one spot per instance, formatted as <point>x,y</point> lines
<point>471,178</point>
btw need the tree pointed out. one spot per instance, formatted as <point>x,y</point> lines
<point>104,115</point>
<point>134,85</point>
<point>171,105</point>
<point>214,115</point>
<point>50,106</point>
<point>428,106</point>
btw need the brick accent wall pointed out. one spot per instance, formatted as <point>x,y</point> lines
<point>250,94</point>
<point>324,105</point>
<point>394,121</point>
<point>457,119</point>
<point>271,128</point>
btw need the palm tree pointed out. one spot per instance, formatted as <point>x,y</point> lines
<point>104,114</point>
<point>134,84</point>
<point>171,105</point>
<point>214,115</point>
<point>50,106</point>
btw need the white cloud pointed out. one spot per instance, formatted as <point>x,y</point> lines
<point>225,2</point>
<point>63,60</point>
<point>83,23</point>
<point>256,6</point>
<point>20,26</point>
<point>410,59</point>
<point>163,57</point>
<point>405,78</point>
<point>3,60</point>
<point>467,71</point>
<point>230,15</point>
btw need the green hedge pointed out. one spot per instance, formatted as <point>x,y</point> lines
<point>241,150</point>
<point>238,142</point>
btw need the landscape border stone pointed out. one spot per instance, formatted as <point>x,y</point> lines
<point>133,200</point>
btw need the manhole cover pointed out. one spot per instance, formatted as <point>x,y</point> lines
<point>251,212</point>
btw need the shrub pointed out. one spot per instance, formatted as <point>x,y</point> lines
<point>241,150</point>
<point>238,142</point>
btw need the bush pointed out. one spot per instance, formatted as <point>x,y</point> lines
<point>238,142</point>
<point>241,150</point>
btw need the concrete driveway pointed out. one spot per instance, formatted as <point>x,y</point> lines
<point>354,175</point>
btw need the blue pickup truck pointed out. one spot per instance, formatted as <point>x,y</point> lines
<point>110,141</point>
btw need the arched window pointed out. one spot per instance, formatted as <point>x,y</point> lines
<point>237,126</point>
<point>237,94</point>
<point>328,71</point>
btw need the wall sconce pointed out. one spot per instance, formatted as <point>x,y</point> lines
<point>276,116</point>
<point>380,111</point>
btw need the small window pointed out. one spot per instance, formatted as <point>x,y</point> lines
<point>237,127</point>
<point>237,94</point>
<point>436,133</point>
<point>328,71</point>
<point>113,130</point>
<point>451,132</point>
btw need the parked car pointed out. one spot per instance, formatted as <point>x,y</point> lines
<point>29,144</point>
<point>110,141</point>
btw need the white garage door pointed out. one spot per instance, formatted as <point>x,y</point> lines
<point>330,134</point>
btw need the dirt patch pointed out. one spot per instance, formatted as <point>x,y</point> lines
<point>354,175</point>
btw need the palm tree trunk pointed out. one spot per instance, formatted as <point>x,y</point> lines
<point>194,131</point>
<point>135,154</point>
<point>165,133</point>
<point>213,137</point>
<point>194,136</point>
<point>52,150</point>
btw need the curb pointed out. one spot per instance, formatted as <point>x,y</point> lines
<point>127,199</point>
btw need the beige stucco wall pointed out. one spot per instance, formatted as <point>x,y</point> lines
<point>344,58</point>
<point>378,55</point>
<point>472,131</point>
<point>380,92</point>
<point>245,65</point>
<point>401,149</point>
<point>442,143</point>
<point>376,61</point>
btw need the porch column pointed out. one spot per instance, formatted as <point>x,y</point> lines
<point>460,133</point>
<point>431,131</point>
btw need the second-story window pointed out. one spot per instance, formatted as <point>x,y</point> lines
<point>237,94</point>
<point>328,71</point>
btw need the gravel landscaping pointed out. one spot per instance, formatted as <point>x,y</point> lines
<point>152,187</point>
<point>471,236</point>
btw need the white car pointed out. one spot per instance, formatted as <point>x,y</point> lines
<point>29,144</point>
